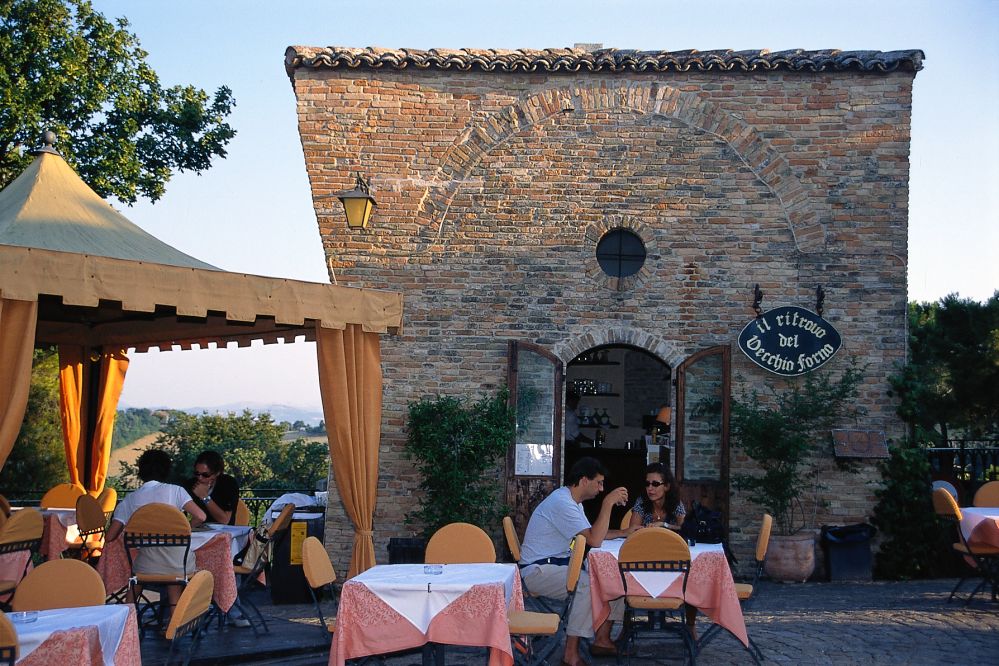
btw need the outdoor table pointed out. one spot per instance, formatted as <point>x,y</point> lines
<point>710,587</point>
<point>213,551</point>
<point>394,607</point>
<point>60,530</point>
<point>91,635</point>
<point>980,526</point>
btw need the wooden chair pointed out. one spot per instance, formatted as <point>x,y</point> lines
<point>985,558</point>
<point>648,550</point>
<point>191,614</point>
<point>320,574</point>
<point>156,526</point>
<point>626,520</point>
<point>92,525</point>
<point>22,532</point>
<point>746,590</point>
<point>987,495</point>
<point>108,499</point>
<point>512,540</point>
<point>460,543</point>
<point>59,584</point>
<point>242,514</point>
<point>527,626</point>
<point>264,542</point>
<point>9,648</point>
<point>62,496</point>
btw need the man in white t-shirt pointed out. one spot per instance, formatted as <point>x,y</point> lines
<point>154,468</point>
<point>545,553</point>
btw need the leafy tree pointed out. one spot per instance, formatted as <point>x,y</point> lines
<point>38,459</point>
<point>65,67</point>
<point>251,446</point>
<point>951,383</point>
<point>456,445</point>
<point>133,423</point>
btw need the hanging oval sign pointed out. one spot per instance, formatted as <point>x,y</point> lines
<point>789,341</point>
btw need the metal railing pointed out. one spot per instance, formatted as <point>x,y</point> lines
<point>966,463</point>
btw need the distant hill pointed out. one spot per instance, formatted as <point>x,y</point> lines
<point>129,453</point>
<point>278,412</point>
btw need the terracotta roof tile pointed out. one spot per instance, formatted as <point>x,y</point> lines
<point>601,60</point>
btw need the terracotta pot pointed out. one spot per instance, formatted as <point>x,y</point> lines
<point>791,558</point>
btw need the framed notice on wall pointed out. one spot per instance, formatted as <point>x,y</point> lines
<point>534,459</point>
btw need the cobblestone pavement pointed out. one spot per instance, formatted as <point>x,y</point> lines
<point>813,623</point>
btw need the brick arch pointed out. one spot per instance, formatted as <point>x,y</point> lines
<point>769,166</point>
<point>665,350</point>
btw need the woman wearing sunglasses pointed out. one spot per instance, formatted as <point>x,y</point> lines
<point>660,506</point>
<point>215,493</point>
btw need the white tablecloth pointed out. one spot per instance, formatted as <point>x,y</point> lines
<point>109,620</point>
<point>240,536</point>
<point>420,596</point>
<point>972,516</point>
<point>657,582</point>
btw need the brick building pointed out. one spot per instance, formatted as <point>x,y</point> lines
<point>499,173</point>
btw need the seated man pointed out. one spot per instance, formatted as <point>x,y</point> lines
<point>154,469</point>
<point>545,552</point>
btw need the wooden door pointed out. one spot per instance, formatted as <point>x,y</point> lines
<point>703,392</point>
<point>534,464</point>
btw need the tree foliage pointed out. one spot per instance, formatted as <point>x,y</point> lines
<point>38,459</point>
<point>951,384</point>
<point>134,423</point>
<point>251,447</point>
<point>782,433</point>
<point>456,445</point>
<point>66,68</point>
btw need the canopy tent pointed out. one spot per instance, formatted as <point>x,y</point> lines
<point>76,274</point>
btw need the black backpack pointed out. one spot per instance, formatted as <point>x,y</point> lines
<point>704,525</point>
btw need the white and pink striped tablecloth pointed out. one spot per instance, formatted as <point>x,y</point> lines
<point>980,526</point>
<point>710,587</point>
<point>399,606</point>
<point>92,636</point>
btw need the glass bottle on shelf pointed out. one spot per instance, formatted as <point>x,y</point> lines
<point>605,418</point>
<point>598,438</point>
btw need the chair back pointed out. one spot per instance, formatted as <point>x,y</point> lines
<point>4,506</point>
<point>282,522</point>
<point>987,495</point>
<point>945,506</point>
<point>108,499</point>
<point>763,540</point>
<point>512,540</point>
<point>156,526</point>
<point>626,520</point>
<point>23,530</point>
<point>9,649</point>
<point>59,584</point>
<point>578,552</point>
<point>62,495</point>
<point>89,515</point>
<point>242,514</point>
<point>192,605</point>
<point>654,549</point>
<point>460,543</point>
<point>316,563</point>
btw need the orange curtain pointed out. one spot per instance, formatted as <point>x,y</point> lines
<point>74,368</point>
<point>17,344</point>
<point>350,380</point>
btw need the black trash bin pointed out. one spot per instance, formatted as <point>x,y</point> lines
<point>288,584</point>
<point>406,551</point>
<point>848,551</point>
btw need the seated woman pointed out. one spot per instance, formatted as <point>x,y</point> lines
<point>660,506</point>
<point>215,493</point>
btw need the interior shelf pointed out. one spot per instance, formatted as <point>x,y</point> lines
<point>574,364</point>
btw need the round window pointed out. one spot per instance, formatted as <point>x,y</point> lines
<point>620,253</point>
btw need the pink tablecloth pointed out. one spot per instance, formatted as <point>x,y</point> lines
<point>82,645</point>
<point>367,625</point>
<point>710,588</point>
<point>214,556</point>
<point>980,526</point>
<point>53,537</point>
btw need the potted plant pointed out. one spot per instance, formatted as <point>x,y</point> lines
<point>781,433</point>
<point>457,447</point>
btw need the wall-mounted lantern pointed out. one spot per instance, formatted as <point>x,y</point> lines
<point>357,204</point>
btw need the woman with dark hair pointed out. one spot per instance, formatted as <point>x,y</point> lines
<point>215,493</point>
<point>660,505</point>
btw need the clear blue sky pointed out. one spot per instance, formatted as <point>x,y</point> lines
<point>252,212</point>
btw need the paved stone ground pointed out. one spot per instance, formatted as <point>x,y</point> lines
<point>813,623</point>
